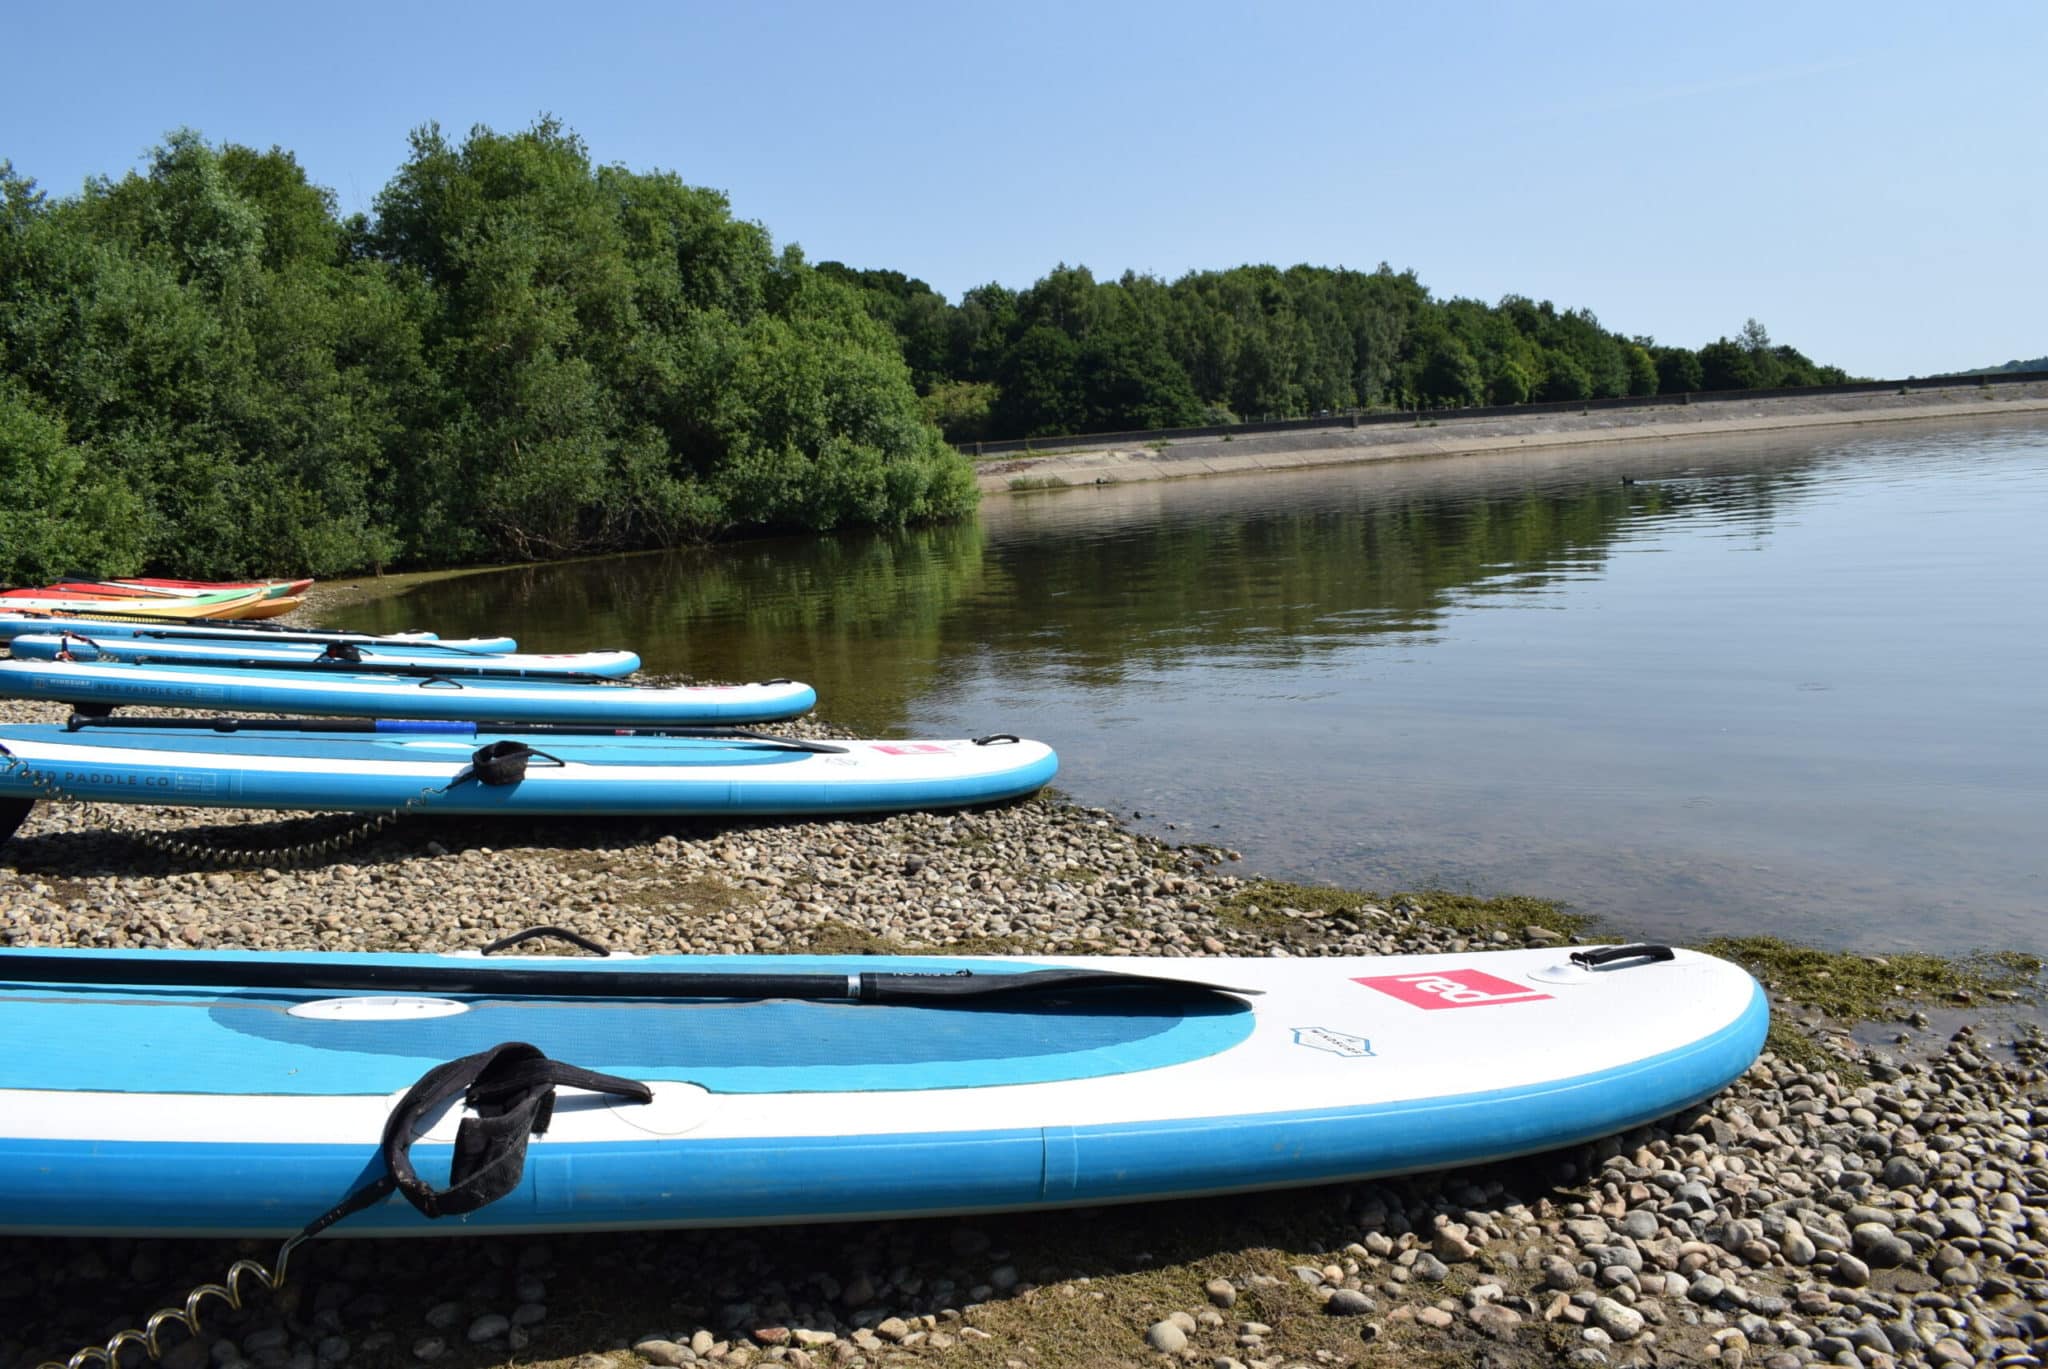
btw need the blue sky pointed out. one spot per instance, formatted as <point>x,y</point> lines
<point>1868,180</point>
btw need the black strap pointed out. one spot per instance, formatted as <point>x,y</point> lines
<point>506,943</point>
<point>1607,955</point>
<point>511,1088</point>
<point>502,762</point>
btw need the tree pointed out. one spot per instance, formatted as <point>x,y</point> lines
<point>1678,370</point>
<point>1726,365</point>
<point>1449,376</point>
<point>62,512</point>
<point>1642,369</point>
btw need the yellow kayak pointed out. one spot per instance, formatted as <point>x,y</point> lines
<point>225,604</point>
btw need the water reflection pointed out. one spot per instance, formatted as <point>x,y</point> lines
<point>1786,684</point>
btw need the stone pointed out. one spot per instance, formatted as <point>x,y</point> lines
<point>1622,1323</point>
<point>1494,1320</point>
<point>1348,1302</point>
<point>489,1326</point>
<point>1222,1292</point>
<point>1165,1336</point>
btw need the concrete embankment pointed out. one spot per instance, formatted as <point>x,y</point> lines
<point>1451,436</point>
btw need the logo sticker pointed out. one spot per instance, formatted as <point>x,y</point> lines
<point>1451,989</point>
<point>1336,1043</point>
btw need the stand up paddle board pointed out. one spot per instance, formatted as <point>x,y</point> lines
<point>207,1093</point>
<point>465,767</point>
<point>14,625</point>
<point>458,691</point>
<point>417,658</point>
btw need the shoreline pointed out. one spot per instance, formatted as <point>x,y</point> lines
<point>1197,457</point>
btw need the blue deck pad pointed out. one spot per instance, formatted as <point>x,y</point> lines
<point>246,1043</point>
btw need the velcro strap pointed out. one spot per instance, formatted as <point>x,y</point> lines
<point>511,1087</point>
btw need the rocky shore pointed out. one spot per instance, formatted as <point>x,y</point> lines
<point>1862,1206</point>
<point>1449,435</point>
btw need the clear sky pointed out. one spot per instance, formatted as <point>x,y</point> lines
<point>1868,179</point>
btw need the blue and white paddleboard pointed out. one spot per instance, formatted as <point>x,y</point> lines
<point>458,691</point>
<point>430,767</point>
<point>338,657</point>
<point>180,1108</point>
<point>14,625</point>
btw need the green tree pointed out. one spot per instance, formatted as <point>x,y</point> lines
<point>62,513</point>
<point>1678,370</point>
<point>1726,365</point>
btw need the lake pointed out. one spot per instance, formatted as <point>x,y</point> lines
<point>1790,684</point>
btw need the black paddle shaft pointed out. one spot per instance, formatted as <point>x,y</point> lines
<point>498,980</point>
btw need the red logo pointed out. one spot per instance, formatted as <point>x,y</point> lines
<point>1451,989</point>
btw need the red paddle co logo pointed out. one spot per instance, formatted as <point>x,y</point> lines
<point>1451,989</point>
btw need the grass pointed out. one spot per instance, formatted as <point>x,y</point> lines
<point>1256,908</point>
<point>1852,988</point>
<point>1868,988</point>
<point>1026,483</point>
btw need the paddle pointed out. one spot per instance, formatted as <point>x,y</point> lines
<point>78,722</point>
<point>496,979</point>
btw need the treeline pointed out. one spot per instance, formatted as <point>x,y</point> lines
<point>1074,354</point>
<point>205,370</point>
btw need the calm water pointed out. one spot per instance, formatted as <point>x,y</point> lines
<point>1795,686</point>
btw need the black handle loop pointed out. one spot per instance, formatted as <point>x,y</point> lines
<point>506,943</point>
<point>1607,955</point>
<point>997,739</point>
<point>511,1087</point>
<point>502,762</point>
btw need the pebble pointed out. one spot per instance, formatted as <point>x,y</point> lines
<point>1622,1323</point>
<point>1166,1336</point>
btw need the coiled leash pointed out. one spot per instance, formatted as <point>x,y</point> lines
<point>510,1088</point>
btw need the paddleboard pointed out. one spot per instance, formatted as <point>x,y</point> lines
<point>367,657</point>
<point>429,767</point>
<point>458,691</point>
<point>13,624</point>
<point>216,604</point>
<point>254,1099</point>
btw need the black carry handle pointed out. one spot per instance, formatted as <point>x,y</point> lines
<point>1608,955</point>
<point>511,1087</point>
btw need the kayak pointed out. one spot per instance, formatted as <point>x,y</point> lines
<point>180,1093</point>
<point>416,657</point>
<point>14,624</point>
<point>181,589</point>
<point>263,606</point>
<point>275,589</point>
<point>215,604</point>
<point>498,768</point>
<point>460,690</point>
